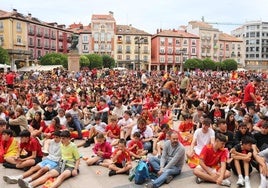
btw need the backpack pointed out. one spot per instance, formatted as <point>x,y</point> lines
<point>141,173</point>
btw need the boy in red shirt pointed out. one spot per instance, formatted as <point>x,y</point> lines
<point>135,146</point>
<point>121,161</point>
<point>212,165</point>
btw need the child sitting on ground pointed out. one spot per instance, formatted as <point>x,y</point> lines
<point>121,161</point>
<point>135,147</point>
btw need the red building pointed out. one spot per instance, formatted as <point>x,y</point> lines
<point>171,48</point>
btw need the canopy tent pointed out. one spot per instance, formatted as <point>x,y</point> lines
<point>39,68</point>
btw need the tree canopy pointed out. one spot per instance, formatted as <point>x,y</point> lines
<point>54,59</point>
<point>4,57</point>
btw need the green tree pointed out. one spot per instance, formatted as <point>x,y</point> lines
<point>54,59</point>
<point>95,61</point>
<point>108,61</point>
<point>84,61</point>
<point>4,57</point>
<point>209,64</point>
<point>191,64</point>
<point>230,64</point>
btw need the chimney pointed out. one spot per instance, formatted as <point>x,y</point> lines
<point>14,10</point>
<point>111,13</point>
<point>29,15</point>
<point>160,30</point>
<point>174,30</point>
<point>130,25</point>
<point>157,31</point>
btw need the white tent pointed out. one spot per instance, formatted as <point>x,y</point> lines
<point>39,68</point>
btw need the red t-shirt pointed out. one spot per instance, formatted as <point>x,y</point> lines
<point>125,156</point>
<point>10,78</point>
<point>213,158</point>
<point>114,129</point>
<point>186,126</point>
<point>135,149</point>
<point>32,145</point>
<point>250,88</point>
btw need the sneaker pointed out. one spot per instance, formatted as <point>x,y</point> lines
<point>10,179</point>
<point>226,183</point>
<point>198,180</point>
<point>240,182</point>
<point>112,173</point>
<point>169,179</point>
<point>149,185</point>
<point>24,184</point>
<point>247,184</point>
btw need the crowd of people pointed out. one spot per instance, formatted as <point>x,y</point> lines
<point>222,118</point>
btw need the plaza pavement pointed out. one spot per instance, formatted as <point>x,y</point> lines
<point>97,177</point>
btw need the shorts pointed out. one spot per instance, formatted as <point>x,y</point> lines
<point>48,163</point>
<point>37,160</point>
<point>59,170</point>
<point>213,170</point>
<point>119,165</point>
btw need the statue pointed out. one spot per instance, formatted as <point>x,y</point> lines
<point>74,42</point>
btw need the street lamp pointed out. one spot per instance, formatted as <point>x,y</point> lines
<point>181,53</point>
<point>139,40</point>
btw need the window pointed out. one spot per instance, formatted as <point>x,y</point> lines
<point>170,41</point>
<point>162,50</point>
<point>38,42</point>
<point>119,57</point>
<point>1,40</point>
<point>252,34</point>
<point>193,50</point>
<point>102,36</point>
<point>193,42</point>
<point>185,42</point>
<point>119,39</point>
<point>85,38</point>
<point>170,50</point>
<point>19,27</point>
<point>46,43</point>
<point>1,26</point>
<point>85,47</point>
<point>109,37</point>
<point>162,59</point>
<point>145,58</point>
<point>96,47</point>
<point>109,47</point>
<point>233,46</point>
<point>102,47</point>
<point>96,26</point>
<point>127,49</point>
<point>19,41</point>
<point>170,59</point>
<point>96,36</point>
<point>162,41</point>
<point>177,59</point>
<point>128,39</point>
<point>38,53</point>
<point>177,42</point>
<point>128,57</point>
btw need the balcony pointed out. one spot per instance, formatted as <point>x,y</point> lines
<point>39,46</point>
<point>53,36</point>
<point>39,34</point>
<point>170,52</point>
<point>162,52</point>
<point>31,44</point>
<point>208,46</point>
<point>128,41</point>
<point>128,51</point>
<point>53,47</point>
<point>215,55</point>
<point>85,50</point>
<point>208,54</point>
<point>31,32</point>
<point>69,39</point>
<point>208,37</point>
<point>61,48</point>
<point>119,51</point>
<point>46,35</point>
<point>60,38</point>
<point>145,52</point>
<point>203,46</point>
<point>203,54</point>
<point>46,46</point>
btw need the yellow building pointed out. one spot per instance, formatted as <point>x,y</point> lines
<point>13,36</point>
<point>132,48</point>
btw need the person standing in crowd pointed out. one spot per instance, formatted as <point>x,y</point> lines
<point>10,79</point>
<point>185,84</point>
<point>170,164</point>
<point>250,97</point>
<point>144,79</point>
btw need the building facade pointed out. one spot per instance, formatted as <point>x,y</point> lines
<point>255,40</point>
<point>132,48</point>
<point>171,48</point>
<point>103,28</point>
<point>27,38</point>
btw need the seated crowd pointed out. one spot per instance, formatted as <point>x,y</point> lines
<point>124,119</point>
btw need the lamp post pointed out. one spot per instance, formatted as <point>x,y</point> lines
<point>12,45</point>
<point>181,53</point>
<point>139,40</point>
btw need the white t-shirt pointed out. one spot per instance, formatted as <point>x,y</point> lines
<point>148,133</point>
<point>144,79</point>
<point>202,139</point>
<point>123,122</point>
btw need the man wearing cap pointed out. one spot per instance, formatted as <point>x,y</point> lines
<point>250,98</point>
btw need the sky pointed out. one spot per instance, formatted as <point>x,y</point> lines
<point>147,15</point>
